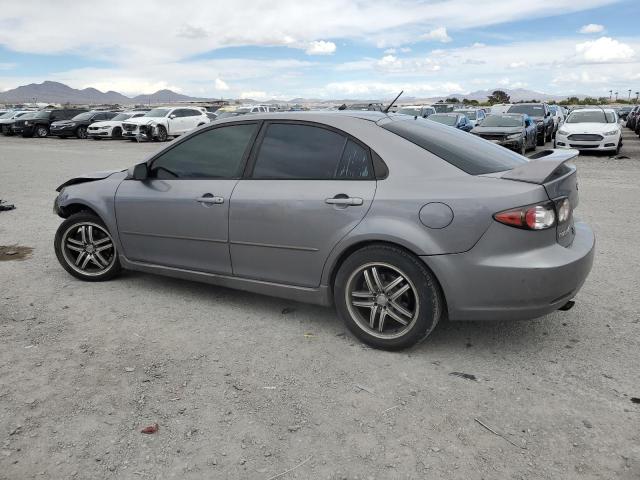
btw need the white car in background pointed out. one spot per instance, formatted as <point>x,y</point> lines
<point>164,122</point>
<point>590,129</point>
<point>112,128</point>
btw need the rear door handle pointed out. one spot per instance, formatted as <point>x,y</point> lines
<point>344,201</point>
<point>210,199</point>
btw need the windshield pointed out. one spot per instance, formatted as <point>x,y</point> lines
<point>83,116</point>
<point>531,110</point>
<point>445,119</point>
<point>467,152</point>
<point>594,116</point>
<point>409,111</point>
<point>43,114</point>
<point>470,114</point>
<point>441,108</point>
<point>503,121</point>
<point>157,112</point>
<point>7,115</point>
<point>29,115</point>
<point>122,116</point>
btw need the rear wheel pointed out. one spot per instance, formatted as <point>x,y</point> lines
<point>85,248</point>
<point>387,297</point>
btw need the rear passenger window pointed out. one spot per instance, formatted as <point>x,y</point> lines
<point>309,153</point>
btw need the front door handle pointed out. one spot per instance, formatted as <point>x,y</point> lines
<point>210,199</point>
<point>343,200</point>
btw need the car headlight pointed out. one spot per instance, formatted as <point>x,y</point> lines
<point>26,124</point>
<point>563,132</point>
<point>612,132</point>
<point>513,136</point>
<point>70,124</point>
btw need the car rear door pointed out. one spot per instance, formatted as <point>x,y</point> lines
<point>307,187</point>
<point>178,217</point>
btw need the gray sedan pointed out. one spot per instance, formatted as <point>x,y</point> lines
<point>397,221</point>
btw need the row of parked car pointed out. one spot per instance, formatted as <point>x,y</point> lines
<point>633,119</point>
<point>158,123</point>
<point>524,126</point>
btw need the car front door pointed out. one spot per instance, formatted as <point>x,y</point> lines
<point>178,217</point>
<point>308,186</point>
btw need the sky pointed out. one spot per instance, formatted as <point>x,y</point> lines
<point>323,49</point>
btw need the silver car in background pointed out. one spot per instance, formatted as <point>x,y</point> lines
<point>396,220</point>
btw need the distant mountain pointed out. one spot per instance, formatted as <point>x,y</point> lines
<point>516,94</point>
<point>55,92</point>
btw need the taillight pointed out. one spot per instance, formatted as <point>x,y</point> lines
<point>531,217</point>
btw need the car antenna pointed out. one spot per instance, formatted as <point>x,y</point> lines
<point>386,110</point>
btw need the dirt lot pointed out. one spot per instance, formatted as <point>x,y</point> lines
<point>245,386</point>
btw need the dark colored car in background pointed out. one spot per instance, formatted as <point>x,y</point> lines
<point>78,125</point>
<point>624,111</point>
<point>457,120</point>
<point>514,131</point>
<point>632,117</point>
<point>39,123</point>
<point>541,115</point>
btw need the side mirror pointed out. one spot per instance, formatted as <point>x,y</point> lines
<point>173,115</point>
<point>139,171</point>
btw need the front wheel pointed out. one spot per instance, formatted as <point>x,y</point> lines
<point>42,131</point>
<point>162,134</point>
<point>81,132</point>
<point>387,297</point>
<point>85,248</point>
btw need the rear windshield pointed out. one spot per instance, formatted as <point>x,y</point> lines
<point>446,119</point>
<point>531,110</point>
<point>503,121</point>
<point>469,153</point>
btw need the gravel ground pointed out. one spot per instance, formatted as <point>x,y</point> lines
<point>246,386</point>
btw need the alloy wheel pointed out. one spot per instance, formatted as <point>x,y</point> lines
<point>88,248</point>
<point>382,300</point>
<point>42,132</point>
<point>82,132</point>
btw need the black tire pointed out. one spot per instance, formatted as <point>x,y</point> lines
<point>41,131</point>
<point>116,132</point>
<point>162,134</point>
<point>423,298</point>
<point>81,132</point>
<point>540,140</point>
<point>89,249</point>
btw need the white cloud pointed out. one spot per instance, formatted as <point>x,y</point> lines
<point>438,34</point>
<point>604,50</point>
<point>405,49</point>
<point>320,47</point>
<point>517,64</point>
<point>388,89</point>
<point>592,28</point>
<point>390,51</point>
<point>221,85</point>
<point>478,45</point>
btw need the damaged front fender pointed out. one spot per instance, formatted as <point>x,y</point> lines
<point>88,177</point>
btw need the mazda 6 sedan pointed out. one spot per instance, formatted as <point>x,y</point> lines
<point>398,221</point>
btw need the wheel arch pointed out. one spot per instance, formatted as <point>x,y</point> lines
<point>349,250</point>
<point>76,207</point>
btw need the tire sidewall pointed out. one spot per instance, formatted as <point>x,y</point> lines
<point>428,292</point>
<point>57,245</point>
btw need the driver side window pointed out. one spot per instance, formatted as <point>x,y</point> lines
<point>215,153</point>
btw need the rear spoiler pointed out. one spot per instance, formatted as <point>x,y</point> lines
<point>541,166</point>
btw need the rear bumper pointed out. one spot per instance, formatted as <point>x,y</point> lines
<point>485,284</point>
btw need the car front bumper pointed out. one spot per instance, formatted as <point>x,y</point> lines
<point>513,285</point>
<point>64,130</point>
<point>609,142</point>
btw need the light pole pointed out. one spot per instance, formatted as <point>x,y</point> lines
<point>629,99</point>
<point>610,94</point>
<point>637,94</point>
<point>616,96</point>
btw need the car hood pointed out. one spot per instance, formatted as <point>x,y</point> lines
<point>496,130</point>
<point>588,127</point>
<point>144,120</point>
<point>89,177</point>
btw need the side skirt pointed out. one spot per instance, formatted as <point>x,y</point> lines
<point>317,296</point>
